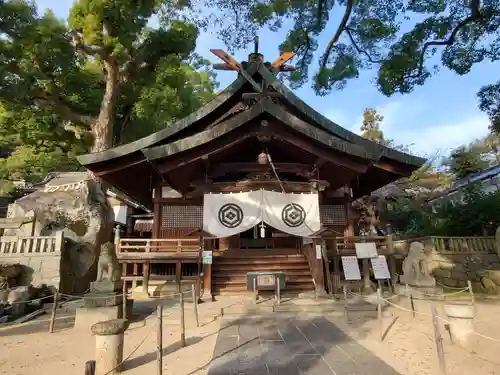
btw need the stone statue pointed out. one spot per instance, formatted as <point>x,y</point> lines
<point>108,268</point>
<point>415,268</point>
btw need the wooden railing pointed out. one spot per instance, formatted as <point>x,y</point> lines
<point>151,248</point>
<point>345,245</point>
<point>29,245</point>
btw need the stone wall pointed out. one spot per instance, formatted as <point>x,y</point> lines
<point>43,259</point>
<point>40,268</point>
<point>455,260</point>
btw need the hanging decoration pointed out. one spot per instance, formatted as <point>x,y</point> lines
<point>295,214</point>
<point>225,215</point>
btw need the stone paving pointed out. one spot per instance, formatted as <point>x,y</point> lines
<point>290,345</point>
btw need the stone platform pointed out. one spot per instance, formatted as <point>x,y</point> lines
<point>291,345</point>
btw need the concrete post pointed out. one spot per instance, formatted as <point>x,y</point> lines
<point>109,346</point>
<point>461,318</point>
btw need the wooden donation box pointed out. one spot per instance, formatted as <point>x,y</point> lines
<point>265,280</point>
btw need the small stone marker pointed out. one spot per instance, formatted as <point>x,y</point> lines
<point>109,346</point>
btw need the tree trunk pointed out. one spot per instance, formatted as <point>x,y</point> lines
<point>102,128</point>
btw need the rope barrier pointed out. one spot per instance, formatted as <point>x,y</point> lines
<point>31,300</point>
<point>449,287</point>
<point>440,318</point>
<point>94,297</point>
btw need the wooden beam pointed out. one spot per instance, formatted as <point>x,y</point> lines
<point>282,59</point>
<point>319,163</point>
<point>119,168</point>
<point>329,157</point>
<point>392,168</point>
<point>247,185</point>
<point>225,168</point>
<point>217,146</point>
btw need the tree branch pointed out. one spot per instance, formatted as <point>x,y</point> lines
<point>90,49</point>
<point>47,99</point>
<point>336,36</point>
<point>474,17</point>
<point>359,50</point>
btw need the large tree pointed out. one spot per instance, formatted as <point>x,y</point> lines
<point>46,65</point>
<point>401,39</point>
<point>102,79</point>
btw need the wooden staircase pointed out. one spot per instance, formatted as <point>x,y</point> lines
<point>229,270</point>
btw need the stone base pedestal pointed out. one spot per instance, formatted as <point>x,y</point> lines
<point>461,326</point>
<point>109,346</point>
<point>86,317</point>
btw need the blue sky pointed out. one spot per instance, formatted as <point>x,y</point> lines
<point>435,118</point>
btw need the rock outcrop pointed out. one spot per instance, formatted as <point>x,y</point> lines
<point>76,205</point>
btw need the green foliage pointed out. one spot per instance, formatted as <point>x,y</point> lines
<point>370,129</point>
<point>465,160</point>
<point>479,215</point>
<point>54,75</point>
<point>404,40</point>
<point>475,157</point>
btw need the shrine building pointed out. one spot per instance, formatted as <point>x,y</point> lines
<point>251,182</point>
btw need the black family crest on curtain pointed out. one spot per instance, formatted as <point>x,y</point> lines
<point>230,215</point>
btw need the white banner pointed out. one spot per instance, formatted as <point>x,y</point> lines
<point>225,215</point>
<point>296,214</point>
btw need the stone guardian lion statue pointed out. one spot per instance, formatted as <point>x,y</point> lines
<point>108,268</point>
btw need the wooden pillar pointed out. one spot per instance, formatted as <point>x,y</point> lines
<point>156,213</point>
<point>145,277</point>
<point>117,238</point>
<point>130,227</point>
<point>178,275</point>
<point>349,229</point>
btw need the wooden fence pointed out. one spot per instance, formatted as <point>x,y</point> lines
<point>30,245</point>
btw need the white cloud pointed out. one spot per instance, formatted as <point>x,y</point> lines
<point>443,137</point>
<point>411,122</point>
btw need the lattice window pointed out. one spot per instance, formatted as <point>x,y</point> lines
<point>181,216</point>
<point>332,215</point>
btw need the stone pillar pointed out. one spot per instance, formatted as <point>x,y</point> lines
<point>109,346</point>
<point>461,318</point>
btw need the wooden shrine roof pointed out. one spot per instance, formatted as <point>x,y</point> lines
<point>227,114</point>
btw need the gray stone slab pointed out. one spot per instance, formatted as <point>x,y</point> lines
<point>313,365</point>
<point>291,346</point>
<point>225,344</point>
<point>278,359</point>
<point>269,332</point>
<point>358,354</point>
<point>250,358</point>
<point>294,340</point>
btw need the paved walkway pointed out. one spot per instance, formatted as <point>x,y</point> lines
<point>290,346</point>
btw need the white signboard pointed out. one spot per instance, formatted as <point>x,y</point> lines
<point>207,257</point>
<point>351,267</point>
<point>380,268</point>
<point>366,250</point>
<point>318,252</point>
